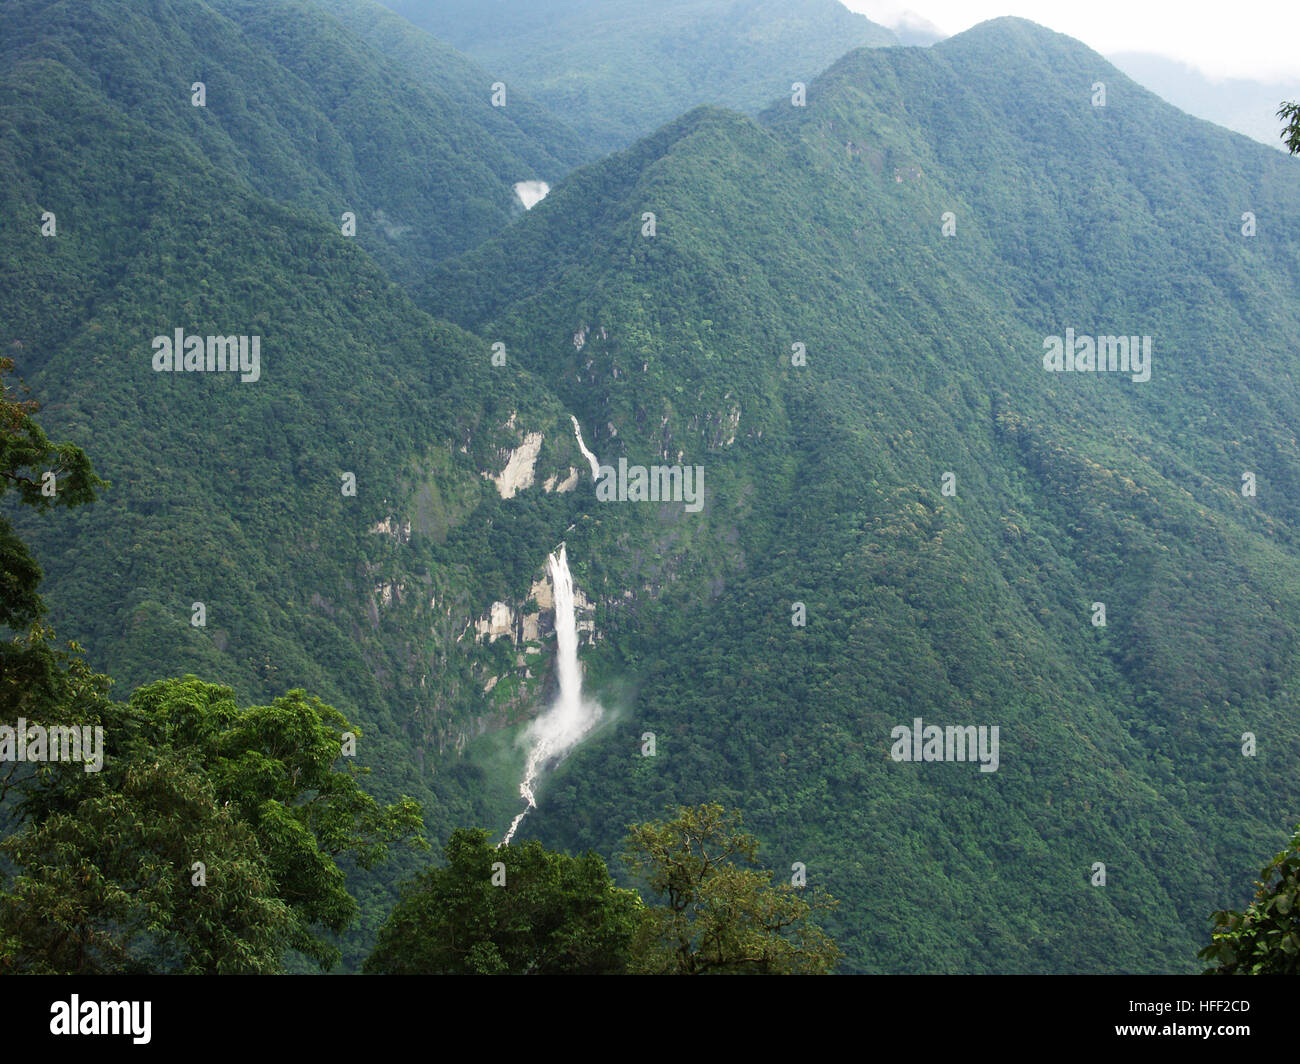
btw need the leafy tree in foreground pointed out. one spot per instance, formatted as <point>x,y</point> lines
<point>252,794</point>
<point>36,675</point>
<point>107,886</point>
<point>1265,939</point>
<point>27,457</point>
<point>718,916</point>
<point>1290,113</point>
<point>542,913</point>
<point>207,835</point>
<point>111,879</point>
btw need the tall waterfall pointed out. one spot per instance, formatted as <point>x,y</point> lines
<point>563,726</point>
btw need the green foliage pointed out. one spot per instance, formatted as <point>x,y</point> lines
<point>718,917</point>
<point>823,225</point>
<point>25,452</point>
<point>523,909</point>
<point>517,910</point>
<point>1265,939</point>
<point>818,225</point>
<point>253,794</point>
<point>617,69</point>
<point>106,883</point>
<point>39,680</point>
<point>179,780</point>
<point>1290,114</point>
<point>535,142</point>
<point>223,220</point>
<point>299,108</point>
<point>42,475</point>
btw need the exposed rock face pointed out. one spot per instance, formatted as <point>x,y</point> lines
<point>541,591</point>
<point>504,621</point>
<point>730,425</point>
<point>518,473</point>
<point>391,526</point>
<point>499,622</point>
<point>553,483</point>
<point>387,589</point>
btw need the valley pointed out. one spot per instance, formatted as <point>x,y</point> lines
<point>907,447</point>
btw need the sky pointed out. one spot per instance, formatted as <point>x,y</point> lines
<point>1257,39</point>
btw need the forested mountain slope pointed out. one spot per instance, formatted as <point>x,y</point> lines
<point>266,496</point>
<point>824,226</point>
<point>617,69</point>
<point>529,131</point>
<point>800,328</point>
<point>301,109</point>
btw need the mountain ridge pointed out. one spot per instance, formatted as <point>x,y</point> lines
<point>1030,448</point>
<point>826,480</point>
<point>618,69</point>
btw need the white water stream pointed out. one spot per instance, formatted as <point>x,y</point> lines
<point>592,460</point>
<point>563,726</point>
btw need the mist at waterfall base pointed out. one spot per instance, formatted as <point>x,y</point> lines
<point>571,717</point>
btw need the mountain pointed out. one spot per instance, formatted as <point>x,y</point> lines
<point>546,146</point>
<point>1121,742</point>
<point>297,114</point>
<point>249,534</point>
<point>617,69</point>
<point>1246,105</point>
<point>904,514</point>
<point>913,29</point>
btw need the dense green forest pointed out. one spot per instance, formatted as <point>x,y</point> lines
<point>298,109</point>
<point>1122,744</point>
<point>837,308</point>
<point>617,69</point>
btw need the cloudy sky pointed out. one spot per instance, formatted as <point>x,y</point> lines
<point>1245,39</point>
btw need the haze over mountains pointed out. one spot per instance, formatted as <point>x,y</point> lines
<point>1249,106</point>
<point>837,306</point>
<point>617,69</point>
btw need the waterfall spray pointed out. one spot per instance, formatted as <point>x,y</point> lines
<point>564,725</point>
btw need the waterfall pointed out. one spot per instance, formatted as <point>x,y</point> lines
<point>563,726</point>
<point>592,460</point>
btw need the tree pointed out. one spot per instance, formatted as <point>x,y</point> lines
<point>207,838</point>
<point>252,794</point>
<point>111,885</point>
<point>1265,939</point>
<point>1290,113</point>
<point>36,675</point>
<point>520,910</point>
<point>44,475</point>
<point>717,916</point>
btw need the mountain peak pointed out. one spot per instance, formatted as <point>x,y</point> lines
<point>1014,38</point>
